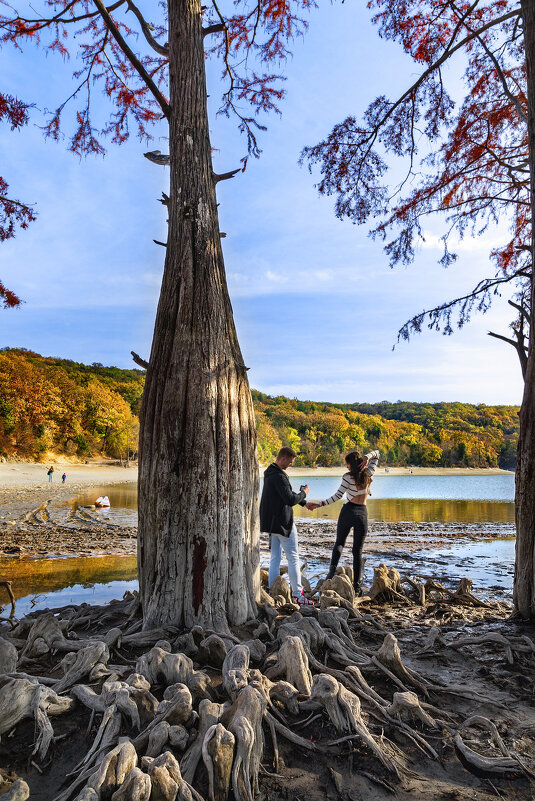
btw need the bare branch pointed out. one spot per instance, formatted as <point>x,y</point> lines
<point>138,360</point>
<point>217,28</point>
<point>157,157</point>
<point>157,242</point>
<point>225,175</point>
<point>138,66</point>
<point>145,27</point>
<point>520,308</point>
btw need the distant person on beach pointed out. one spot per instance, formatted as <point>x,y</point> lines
<point>277,520</point>
<point>63,477</point>
<point>50,473</point>
<point>354,514</point>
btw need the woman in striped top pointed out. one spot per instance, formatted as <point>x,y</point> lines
<point>354,514</point>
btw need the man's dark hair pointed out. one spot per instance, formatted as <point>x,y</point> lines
<point>287,452</point>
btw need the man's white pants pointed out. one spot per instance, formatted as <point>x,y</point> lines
<point>290,547</point>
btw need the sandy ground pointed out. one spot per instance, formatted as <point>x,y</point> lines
<point>26,475</point>
<point>401,471</point>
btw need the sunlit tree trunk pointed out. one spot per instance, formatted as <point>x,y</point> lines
<point>198,481</point>
<point>524,590</point>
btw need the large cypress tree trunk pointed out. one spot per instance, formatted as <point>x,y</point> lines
<point>524,589</point>
<point>198,482</point>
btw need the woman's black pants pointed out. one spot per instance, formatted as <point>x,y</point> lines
<point>353,516</point>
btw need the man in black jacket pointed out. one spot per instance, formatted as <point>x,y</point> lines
<point>277,519</point>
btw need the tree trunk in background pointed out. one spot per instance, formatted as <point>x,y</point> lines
<point>198,552</point>
<point>524,589</point>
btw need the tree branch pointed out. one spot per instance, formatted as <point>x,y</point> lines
<point>161,49</point>
<point>217,28</point>
<point>138,66</point>
<point>520,308</point>
<point>225,175</point>
<point>518,346</point>
<point>157,157</point>
<point>138,360</point>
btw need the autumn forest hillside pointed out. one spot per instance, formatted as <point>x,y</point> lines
<point>50,405</point>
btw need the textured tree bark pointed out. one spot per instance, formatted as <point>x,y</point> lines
<point>524,586</point>
<point>198,484</point>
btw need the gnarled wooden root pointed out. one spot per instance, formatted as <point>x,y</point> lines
<point>244,720</point>
<point>22,698</point>
<point>386,585</point>
<point>292,663</point>
<point>235,670</point>
<point>18,791</point>
<point>409,705</point>
<point>218,756</point>
<point>484,766</point>
<point>137,786</point>
<point>209,715</point>
<point>280,587</point>
<point>343,709</point>
<point>81,663</point>
<point>389,656</point>
<point>167,781</point>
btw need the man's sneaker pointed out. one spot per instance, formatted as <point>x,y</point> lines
<point>302,600</point>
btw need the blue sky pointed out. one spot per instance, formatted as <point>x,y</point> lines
<point>316,305</point>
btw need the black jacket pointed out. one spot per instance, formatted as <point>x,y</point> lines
<point>276,514</point>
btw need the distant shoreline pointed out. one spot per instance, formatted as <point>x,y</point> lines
<point>401,471</point>
<point>25,475</point>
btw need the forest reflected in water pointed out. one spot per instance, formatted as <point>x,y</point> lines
<point>424,510</point>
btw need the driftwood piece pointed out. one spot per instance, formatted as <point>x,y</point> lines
<point>209,714</point>
<point>22,698</point>
<point>218,756</point>
<point>235,670</point>
<point>292,663</point>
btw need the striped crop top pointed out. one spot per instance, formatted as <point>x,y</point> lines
<point>348,486</point>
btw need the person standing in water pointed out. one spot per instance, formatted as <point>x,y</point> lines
<point>354,514</point>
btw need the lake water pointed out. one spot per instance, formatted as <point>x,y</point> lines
<point>455,499</point>
<point>464,499</point>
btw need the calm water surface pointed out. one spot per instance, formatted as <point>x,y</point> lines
<point>486,499</point>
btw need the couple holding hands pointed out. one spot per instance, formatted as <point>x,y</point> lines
<point>276,515</point>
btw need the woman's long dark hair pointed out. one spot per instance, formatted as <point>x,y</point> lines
<point>357,470</point>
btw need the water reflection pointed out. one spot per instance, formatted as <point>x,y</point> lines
<point>454,499</point>
<point>423,510</point>
<point>44,576</point>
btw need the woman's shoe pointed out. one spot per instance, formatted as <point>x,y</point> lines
<point>302,600</point>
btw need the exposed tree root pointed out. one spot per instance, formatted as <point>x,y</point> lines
<point>321,677</point>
